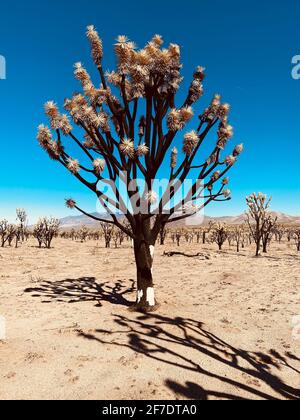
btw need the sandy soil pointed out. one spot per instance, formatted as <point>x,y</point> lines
<point>223,330</point>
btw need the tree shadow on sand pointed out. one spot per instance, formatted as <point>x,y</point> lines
<point>84,289</point>
<point>167,340</point>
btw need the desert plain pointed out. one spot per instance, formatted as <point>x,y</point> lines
<point>226,326</point>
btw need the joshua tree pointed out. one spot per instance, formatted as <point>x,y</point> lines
<point>206,230</point>
<point>238,235</point>
<point>268,231</point>
<point>83,233</point>
<point>219,235</point>
<point>7,232</point>
<point>258,205</point>
<point>108,232</point>
<point>279,232</point>
<point>290,233</point>
<point>22,219</point>
<point>128,137</point>
<point>162,235</point>
<point>118,236</point>
<point>45,230</point>
<point>297,238</point>
<point>230,236</point>
<point>178,237</point>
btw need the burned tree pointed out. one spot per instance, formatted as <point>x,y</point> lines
<point>279,232</point>
<point>45,230</point>
<point>83,233</point>
<point>206,230</point>
<point>178,236</point>
<point>118,237</point>
<point>22,222</point>
<point>162,235</point>
<point>219,235</point>
<point>290,233</point>
<point>297,238</point>
<point>7,233</point>
<point>268,232</point>
<point>108,232</point>
<point>238,236</point>
<point>260,221</point>
<point>131,122</point>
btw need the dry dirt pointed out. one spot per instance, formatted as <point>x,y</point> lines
<point>223,329</point>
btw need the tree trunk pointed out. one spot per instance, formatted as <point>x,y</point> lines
<point>265,247</point>
<point>144,255</point>
<point>258,249</point>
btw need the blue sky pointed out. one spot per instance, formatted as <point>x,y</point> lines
<point>246,47</point>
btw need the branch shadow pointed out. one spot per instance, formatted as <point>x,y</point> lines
<point>167,340</point>
<point>84,289</point>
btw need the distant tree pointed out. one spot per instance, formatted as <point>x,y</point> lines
<point>83,233</point>
<point>238,235</point>
<point>219,235</point>
<point>178,236</point>
<point>279,232</point>
<point>162,235</point>
<point>45,230</point>
<point>7,232</point>
<point>206,230</point>
<point>22,219</point>
<point>118,237</point>
<point>268,232</point>
<point>297,238</point>
<point>260,221</point>
<point>128,137</point>
<point>290,234</point>
<point>108,232</point>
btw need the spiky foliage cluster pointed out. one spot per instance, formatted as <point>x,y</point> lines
<point>45,230</point>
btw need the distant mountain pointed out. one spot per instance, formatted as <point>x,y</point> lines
<point>237,220</point>
<point>77,221</point>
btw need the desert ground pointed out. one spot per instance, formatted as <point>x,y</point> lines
<point>223,329</point>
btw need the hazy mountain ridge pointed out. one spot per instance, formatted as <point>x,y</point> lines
<point>77,221</point>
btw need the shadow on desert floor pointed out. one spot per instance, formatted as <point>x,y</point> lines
<point>182,343</point>
<point>84,289</point>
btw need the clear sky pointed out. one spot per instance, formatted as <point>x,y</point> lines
<point>246,47</point>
